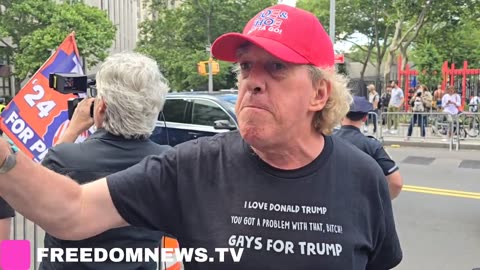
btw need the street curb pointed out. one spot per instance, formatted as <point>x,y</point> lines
<point>445,145</point>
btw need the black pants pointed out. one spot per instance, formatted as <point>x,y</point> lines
<point>373,118</point>
<point>421,120</point>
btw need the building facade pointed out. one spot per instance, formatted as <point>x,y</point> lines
<point>125,15</point>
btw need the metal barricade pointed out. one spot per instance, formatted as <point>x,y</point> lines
<point>402,126</point>
<point>467,128</point>
<point>24,229</point>
<point>373,118</point>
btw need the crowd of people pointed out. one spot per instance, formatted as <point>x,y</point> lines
<point>391,103</point>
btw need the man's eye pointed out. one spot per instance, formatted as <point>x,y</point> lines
<point>275,67</point>
<point>245,66</point>
<point>278,66</point>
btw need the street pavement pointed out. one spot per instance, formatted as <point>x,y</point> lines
<point>437,214</point>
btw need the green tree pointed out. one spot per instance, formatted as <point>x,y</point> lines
<point>389,27</point>
<point>428,64</point>
<point>37,27</point>
<point>177,38</point>
<point>455,33</point>
<point>367,18</point>
<point>408,19</point>
<point>449,25</point>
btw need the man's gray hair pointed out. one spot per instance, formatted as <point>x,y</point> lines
<point>134,91</point>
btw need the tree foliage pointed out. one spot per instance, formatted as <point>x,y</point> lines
<point>177,38</point>
<point>392,27</point>
<point>454,32</point>
<point>366,18</point>
<point>428,64</point>
<point>441,29</point>
<point>37,27</point>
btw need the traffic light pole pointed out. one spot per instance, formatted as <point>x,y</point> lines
<point>210,75</point>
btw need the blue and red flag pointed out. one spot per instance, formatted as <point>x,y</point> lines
<point>38,114</point>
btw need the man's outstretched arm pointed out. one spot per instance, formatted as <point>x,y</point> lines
<point>59,205</point>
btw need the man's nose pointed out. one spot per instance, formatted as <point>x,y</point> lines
<point>255,82</point>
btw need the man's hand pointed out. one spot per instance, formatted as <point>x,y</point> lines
<point>81,121</point>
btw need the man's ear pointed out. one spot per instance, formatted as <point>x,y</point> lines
<point>101,107</point>
<point>322,90</point>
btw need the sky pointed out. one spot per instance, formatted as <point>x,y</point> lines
<point>345,46</point>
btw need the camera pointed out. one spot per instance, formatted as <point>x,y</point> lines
<point>72,106</point>
<point>73,83</point>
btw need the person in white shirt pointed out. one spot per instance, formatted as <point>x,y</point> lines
<point>396,102</point>
<point>451,101</point>
<point>473,104</point>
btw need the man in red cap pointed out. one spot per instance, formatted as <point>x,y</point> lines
<point>279,193</point>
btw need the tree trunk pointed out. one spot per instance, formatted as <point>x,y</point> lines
<point>404,54</point>
<point>364,67</point>
<point>17,87</point>
<point>401,40</point>
<point>367,59</point>
<point>391,50</point>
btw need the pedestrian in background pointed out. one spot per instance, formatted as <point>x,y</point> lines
<point>421,103</point>
<point>374,99</point>
<point>394,107</point>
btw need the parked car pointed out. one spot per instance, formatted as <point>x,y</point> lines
<point>190,115</point>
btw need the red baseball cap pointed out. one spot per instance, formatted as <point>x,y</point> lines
<point>288,33</point>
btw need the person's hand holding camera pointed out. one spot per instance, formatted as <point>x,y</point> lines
<point>81,119</point>
<point>80,122</point>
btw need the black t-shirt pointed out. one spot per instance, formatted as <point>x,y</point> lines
<point>5,210</point>
<point>334,213</point>
<point>370,146</point>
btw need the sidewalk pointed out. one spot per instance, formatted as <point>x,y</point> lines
<point>431,140</point>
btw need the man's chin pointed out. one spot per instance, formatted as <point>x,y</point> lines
<point>254,135</point>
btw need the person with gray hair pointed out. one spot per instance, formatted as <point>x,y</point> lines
<point>131,93</point>
<point>278,193</point>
